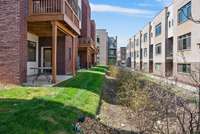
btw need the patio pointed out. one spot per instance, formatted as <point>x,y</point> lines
<point>42,81</point>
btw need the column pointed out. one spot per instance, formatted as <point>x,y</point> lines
<point>54,52</point>
<point>73,56</point>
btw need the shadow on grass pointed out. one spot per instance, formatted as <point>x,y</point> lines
<point>99,69</point>
<point>37,116</point>
<point>102,66</point>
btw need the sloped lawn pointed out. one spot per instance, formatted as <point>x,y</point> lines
<point>53,110</point>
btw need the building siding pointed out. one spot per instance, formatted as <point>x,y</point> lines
<point>13,35</point>
<point>169,36</point>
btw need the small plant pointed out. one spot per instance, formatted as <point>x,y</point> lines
<point>129,93</point>
<point>113,71</point>
<point>155,108</point>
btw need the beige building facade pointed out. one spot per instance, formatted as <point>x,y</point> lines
<point>158,39</point>
<point>186,43</point>
<point>145,41</point>
<point>138,54</point>
<point>169,46</point>
<point>102,45</point>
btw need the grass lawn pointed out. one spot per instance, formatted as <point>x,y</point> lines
<point>27,110</point>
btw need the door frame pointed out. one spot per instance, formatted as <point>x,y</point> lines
<point>42,54</point>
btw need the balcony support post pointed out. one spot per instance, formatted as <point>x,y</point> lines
<point>54,51</point>
<point>73,56</point>
<point>88,60</point>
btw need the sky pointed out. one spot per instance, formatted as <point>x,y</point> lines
<point>124,18</point>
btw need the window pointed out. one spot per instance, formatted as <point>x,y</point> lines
<point>111,52</point>
<point>158,48</point>
<point>169,24</point>
<point>132,54</point>
<point>184,13</point>
<point>158,30</point>
<point>132,45</point>
<point>184,68</point>
<point>98,40</point>
<point>138,54</point>
<point>145,66</point>
<point>31,51</point>
<point>137,42</point>
<point>145,52</point>
<point>158,66</point>
<point>145,37</point>
<point>184,42</point>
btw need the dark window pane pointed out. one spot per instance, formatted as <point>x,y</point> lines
<point>31,51</point>
<point>184,13</point>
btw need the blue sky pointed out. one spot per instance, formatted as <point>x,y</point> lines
<point>123,18</point>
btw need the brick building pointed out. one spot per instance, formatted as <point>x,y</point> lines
<point>40,34</point>
<point>87,49</point>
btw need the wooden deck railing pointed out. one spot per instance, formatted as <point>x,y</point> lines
<point>42,7</point>
<point>86,41</point>
<point>46,6</point>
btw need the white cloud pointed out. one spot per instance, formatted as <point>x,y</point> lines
<point>118,9</point>
<point>165,2</point>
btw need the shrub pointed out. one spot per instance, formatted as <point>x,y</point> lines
<point>129,93</point>
<point>113,71</point>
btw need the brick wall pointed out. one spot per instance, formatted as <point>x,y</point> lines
<point>13,42</point>
<point>86,16</point>
<point>93,30</point>
<point>68,45</point>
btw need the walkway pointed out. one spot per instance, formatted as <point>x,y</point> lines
<point>171,81</point>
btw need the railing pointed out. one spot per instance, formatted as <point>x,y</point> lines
<point>46,6</point>
<point>71,13</point>
<point>112,47</point>
<point>37,7</point>
<point>151,55</point>
<point>84,40</point>
<point>151,52</point>
<point>169,53</point>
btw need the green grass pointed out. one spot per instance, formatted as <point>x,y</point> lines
<point>102,66</point>
<point>27,110</point>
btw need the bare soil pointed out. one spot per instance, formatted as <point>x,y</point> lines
<point>113,118</point>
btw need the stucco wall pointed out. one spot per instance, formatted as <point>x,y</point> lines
<point>191,56</point>
<point>145,45</point>
<point>137,49</point>
<point>160,58</point>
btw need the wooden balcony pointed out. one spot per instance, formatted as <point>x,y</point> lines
<point>86,42</point>
<point>55,10</point>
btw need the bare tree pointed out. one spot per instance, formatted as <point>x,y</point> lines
<point>156,107</point>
